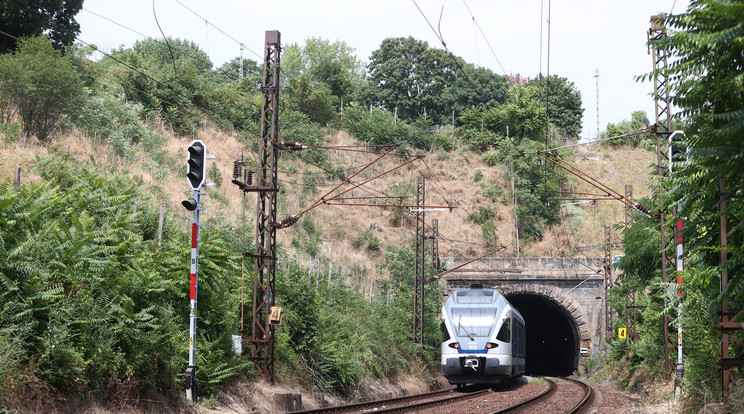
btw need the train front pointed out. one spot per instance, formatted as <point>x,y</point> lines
<point>473,350</point>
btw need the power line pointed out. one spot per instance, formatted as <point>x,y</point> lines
<point>118,24</point>
<point>511,82</point>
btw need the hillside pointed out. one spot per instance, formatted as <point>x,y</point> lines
<point>451,178</point>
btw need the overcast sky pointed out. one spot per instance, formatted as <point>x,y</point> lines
<point>585,35</point>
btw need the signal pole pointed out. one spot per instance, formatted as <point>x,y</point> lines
<point>196,175</point>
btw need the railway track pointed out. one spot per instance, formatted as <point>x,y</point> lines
<point>401,404</point>
<point>544,398</point>
<point>530,401</point>
<point>545,401</point>
<point>586,402</point>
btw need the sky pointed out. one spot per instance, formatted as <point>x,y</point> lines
<point>585,36</point>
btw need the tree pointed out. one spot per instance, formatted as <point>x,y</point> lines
<point>638,120</point>
<point>707,86</point>
<point>523,115</point>
<point>55,18</point>
<point>710,94</point>
<point>322,61</point>
<point>333,64</point>
<point>563,101</point>
<point>41,85</point>
<point>406,74</point>
<point>475,87</point>
<point>229,72</point>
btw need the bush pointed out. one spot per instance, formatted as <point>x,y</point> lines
<point>380,127</point>
<point>481,214</point>
<point>119,319</point>
<point>40,85</point>
<point>490,158</point>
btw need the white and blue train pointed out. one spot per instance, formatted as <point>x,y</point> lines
<point>483,337</point>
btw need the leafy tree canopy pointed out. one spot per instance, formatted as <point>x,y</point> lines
<point>638,120</point>
<point>563,102</point>
<point>406,74</point>
<point>476,87</point>
<point>331,63</point>
<point>55,18</point>
<point>523,115</point>
<point>709,90</point>
<point>41,86</point>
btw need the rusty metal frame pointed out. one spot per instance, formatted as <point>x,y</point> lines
<point>264,280</point>
<point>608,279</point>
<point>630,299</point>
<point>420,253</point>
<point>582,175</point>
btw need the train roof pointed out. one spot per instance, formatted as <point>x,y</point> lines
<point>475,296</point>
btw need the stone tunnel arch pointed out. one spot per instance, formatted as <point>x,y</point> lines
<point>556,329</point>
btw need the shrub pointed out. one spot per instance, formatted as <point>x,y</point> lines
<point>477,175</point>
<point>490,158</point>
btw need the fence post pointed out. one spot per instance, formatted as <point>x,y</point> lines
<point>160,222</point>
<point>17,177</point>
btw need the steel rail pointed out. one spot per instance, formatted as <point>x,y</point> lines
<point>533,400</point>
<point>371,404</point>
<point>434,403</point>
<point>585,402</point>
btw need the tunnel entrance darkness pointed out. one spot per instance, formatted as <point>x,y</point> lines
<point>552,335</point>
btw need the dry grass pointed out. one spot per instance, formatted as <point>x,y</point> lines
<point>450,176</point>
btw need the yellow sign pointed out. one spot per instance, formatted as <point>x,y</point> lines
<point>276,315</point>
<point>621,333</point>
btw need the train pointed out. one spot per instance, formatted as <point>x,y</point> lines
<point>483,337</point>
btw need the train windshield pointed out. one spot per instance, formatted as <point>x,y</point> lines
<point>473,322</point>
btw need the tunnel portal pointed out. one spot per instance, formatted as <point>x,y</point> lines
<point>552,335</point>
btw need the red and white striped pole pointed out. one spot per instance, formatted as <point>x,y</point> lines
<point>191,389</point>
<point>676,156</point>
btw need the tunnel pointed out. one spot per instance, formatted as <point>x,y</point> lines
<point>552,336</point>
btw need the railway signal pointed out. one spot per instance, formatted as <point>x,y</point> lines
<point>197,165</point>
<point>196,175</point>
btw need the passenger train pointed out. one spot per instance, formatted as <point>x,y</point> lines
<point>483,337</point>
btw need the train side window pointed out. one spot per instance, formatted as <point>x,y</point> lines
<point>504,334</point>
<point>445,332</point>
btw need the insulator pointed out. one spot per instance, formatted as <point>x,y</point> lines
<point>249,178</point>
<point>286,222</point>
<point>236,169</point>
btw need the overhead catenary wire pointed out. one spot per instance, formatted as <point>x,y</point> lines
<point>160,82</point>
<point>511,82</point>
<point>627,134</point>
<point>96,73</point>
<point>185,52</point>
<point>170,50</point>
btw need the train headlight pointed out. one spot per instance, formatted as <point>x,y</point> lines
<point>491,345</point>
<point>455,345</point>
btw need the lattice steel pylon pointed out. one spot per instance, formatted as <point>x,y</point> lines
<point>420,253</point>
<point>262,332</point>
<point>662,108</point>
<point>608,281</point>
<point>630,299</point>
